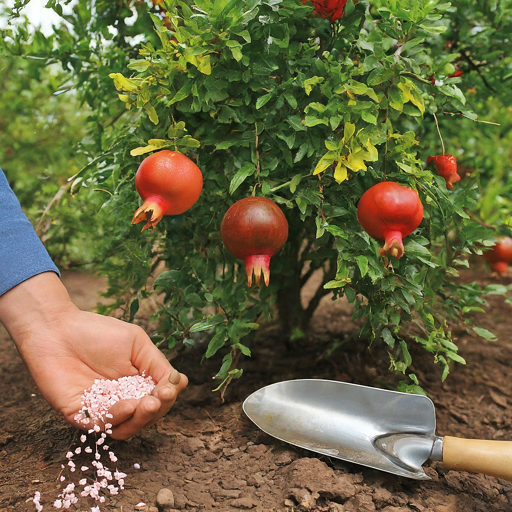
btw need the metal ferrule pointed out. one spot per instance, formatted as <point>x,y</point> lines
<point>437,449</point>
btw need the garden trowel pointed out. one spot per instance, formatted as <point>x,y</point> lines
<point>381,429</point>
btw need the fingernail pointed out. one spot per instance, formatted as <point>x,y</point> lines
<point>175,377</point>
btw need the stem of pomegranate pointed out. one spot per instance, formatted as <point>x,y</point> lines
<point>439,132</point>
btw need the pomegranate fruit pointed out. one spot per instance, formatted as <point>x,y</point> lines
<point>389,211</point>
<point>446,166</point>
<point>330,9</point>
<point>169,183</point>
<point>500,255</point>
<point>254,229</point>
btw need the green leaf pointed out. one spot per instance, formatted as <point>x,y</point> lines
<point>263,100</point>
<point>204,64</point>
<point>337,283</point>
<point>241,175</point>
<point>310,82</point>
<point>348,131</point>
<point>134,308</point>
<point>203,326</point>
<point>484,333</point>
<point>151,112</point>
<point>453,91</point>
<point>245,350</point>
<point>237,53</point>
<point>290,98</point>
<point>325,162</point>
<point>369,118</point>
<point>294,182</point>
<point>495,289</point>
<point>183,93</point>
<point>405,353</point>
<point>168,278</point>
<point>396,99</point>
<point>455,357</point>
<point>139,65</point>
<point>123,83</point>
<point>296,123</point>
<point>362,263</point>
<point>216,343</point>
<point>388,337</point>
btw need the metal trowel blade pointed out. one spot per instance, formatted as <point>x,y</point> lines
<point>381,429</point>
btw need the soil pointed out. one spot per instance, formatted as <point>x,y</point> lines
<point>211,457</point>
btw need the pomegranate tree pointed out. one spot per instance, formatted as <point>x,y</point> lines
<point>389,211</point>
<point>500,255</point>
<point>446,166</point>
<point>169,183</point>
<point>254,229</point>
<point>308,111</point>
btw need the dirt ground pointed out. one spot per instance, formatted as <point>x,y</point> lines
<point>211,457</point>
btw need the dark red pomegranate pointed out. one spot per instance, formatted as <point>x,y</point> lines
<point>169,183</point>
<point>389,211</point>
<point>254,229</point>
<point>330,9</point>
<point>500,255</point>
<point>446,166</point>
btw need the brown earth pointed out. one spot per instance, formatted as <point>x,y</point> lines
<point>213,458</point>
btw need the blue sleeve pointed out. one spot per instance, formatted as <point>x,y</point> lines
<point>22,254</point>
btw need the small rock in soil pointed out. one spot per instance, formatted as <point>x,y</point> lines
<point>210,457</point>
<point>190,446</point>
<point>245,503</point>
<point>165,499</point>
<point>285,458</point>
<point>361,503</point>
<point>317,476</point>
<point>255,480</point>
<point>305,498</point>
<point>256,450</point>
<point>230,493</point>
<point>180,501</point>
<point>382,497</point>
<point>233,483</point>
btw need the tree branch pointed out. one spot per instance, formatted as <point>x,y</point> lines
<point>472,65</point>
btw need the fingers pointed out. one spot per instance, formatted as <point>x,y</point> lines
<point>144,412</point>
<point>131,416</point>
<point>169,386</point>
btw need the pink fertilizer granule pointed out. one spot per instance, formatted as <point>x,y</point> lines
<point>95,481</point>
<point>104,393</point>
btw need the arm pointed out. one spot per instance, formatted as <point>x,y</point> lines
<point>66,349</point>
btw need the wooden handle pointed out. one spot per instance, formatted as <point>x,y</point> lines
<point>493,458</point>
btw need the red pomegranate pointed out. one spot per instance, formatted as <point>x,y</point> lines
<point>389,211</point>
<point>169,183</point>
<point>500,255</point>
<point>330,9</point>
<point>254,229</point>
<point>446,166</point>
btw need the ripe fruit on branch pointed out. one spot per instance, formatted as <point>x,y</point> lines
<point>169,183</point>
<point>500,255</point>
<point>432,77</point>
<point>254,229</point>
<point>389,211</point>
<point>446,166</point>
<point>330,9</point>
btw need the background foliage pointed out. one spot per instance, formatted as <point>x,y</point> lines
<point>270,100</point>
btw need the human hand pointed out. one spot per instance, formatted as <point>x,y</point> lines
<point>66,349</point>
